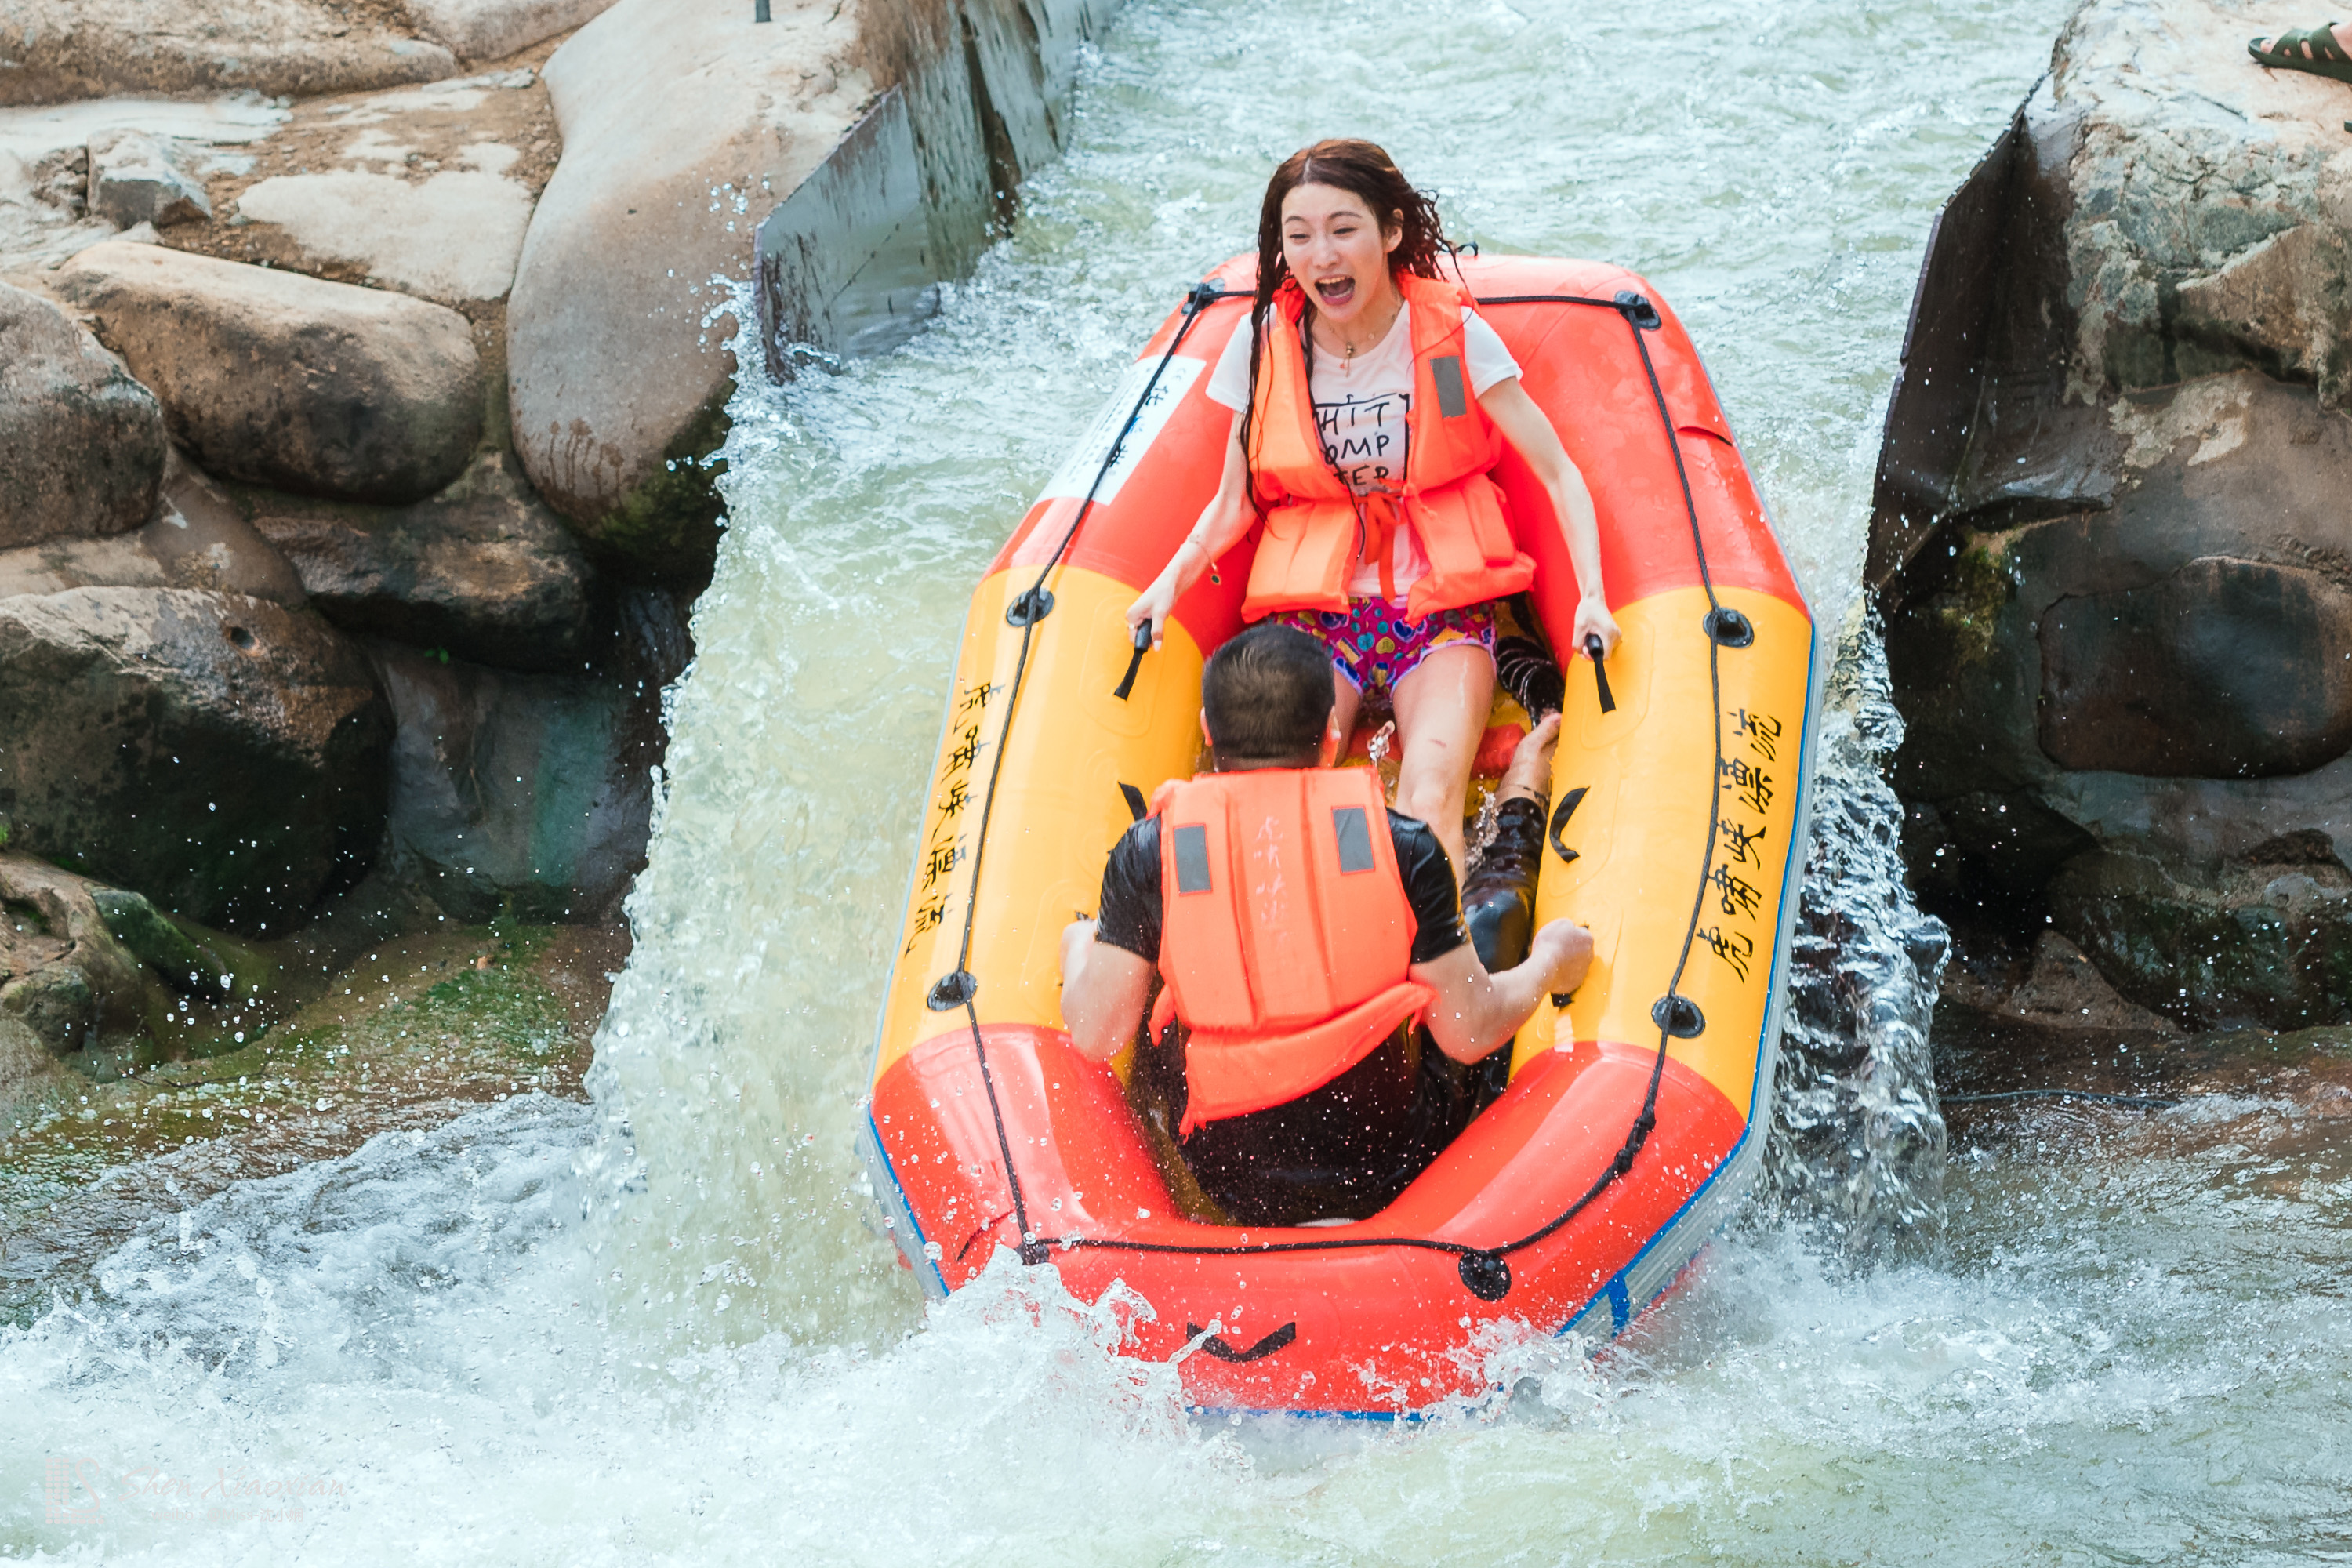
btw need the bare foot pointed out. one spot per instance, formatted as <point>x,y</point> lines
<point>1529,774</point>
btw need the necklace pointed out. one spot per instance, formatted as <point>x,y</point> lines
<point>1349,348</point>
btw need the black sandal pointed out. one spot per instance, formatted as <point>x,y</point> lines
<point>2313,49</point>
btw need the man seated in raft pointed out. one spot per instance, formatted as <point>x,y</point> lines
<point>1301,929</point>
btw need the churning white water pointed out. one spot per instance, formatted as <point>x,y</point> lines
<point>657,1329</point>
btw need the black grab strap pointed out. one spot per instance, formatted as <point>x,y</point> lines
<point>1484,1271</point>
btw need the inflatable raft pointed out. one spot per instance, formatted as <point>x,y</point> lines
<point>1635,1114</point>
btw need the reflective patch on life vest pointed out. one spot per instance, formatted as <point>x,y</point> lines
<point>1354,832</point>
<point>1453,397</point>
<point>1192,858</point>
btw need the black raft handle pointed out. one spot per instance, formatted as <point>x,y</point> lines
<point>1142,646</point>
<point>1224,1350</point>
<point>1560,814</point>
<point>1600,672</point>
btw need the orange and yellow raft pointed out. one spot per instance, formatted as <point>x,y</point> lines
<point>986,1130</point>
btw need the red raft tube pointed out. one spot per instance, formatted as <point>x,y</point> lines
<point>1634,1119</point>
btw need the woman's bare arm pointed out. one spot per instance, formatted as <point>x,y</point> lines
<point>1524,425</point>
<point>1222,522</point>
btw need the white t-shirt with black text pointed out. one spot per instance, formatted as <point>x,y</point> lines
<point>1361,407</point>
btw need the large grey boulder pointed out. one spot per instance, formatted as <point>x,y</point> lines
<point>2112,543</point>
<point>283,380</point>
<point>81,443</point>
<point>198,538</point>
<point>222,754</point>
<point>52,52</point>
<point>682,124</point>
<point>484,570</point>
<point>493,29</point>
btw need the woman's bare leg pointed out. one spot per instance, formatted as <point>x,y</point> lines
<point>1441,711</point>
<point>1345,702</point>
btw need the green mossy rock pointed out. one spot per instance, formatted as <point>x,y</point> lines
<point>187,966</point>
<point>2269,945</point>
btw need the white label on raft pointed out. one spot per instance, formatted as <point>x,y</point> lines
<point>1078,471</point>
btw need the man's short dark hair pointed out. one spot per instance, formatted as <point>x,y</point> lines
<point>1267,695</point>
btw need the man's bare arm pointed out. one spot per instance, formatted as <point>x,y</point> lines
<point>1477,1012</point>
<point>1103,991</point>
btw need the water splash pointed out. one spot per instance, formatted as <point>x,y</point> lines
<point>1857,1145</point>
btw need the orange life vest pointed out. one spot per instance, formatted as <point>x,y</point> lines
<point>1285,937</point>
<point>1313,523</point>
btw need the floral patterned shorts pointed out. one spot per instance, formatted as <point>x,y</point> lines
<point>1374,646</point>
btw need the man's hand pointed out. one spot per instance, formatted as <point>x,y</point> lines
<point>1476,1012</point>
<point>1561,950</point>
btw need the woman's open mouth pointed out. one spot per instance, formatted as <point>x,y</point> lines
<point>1335,292</point>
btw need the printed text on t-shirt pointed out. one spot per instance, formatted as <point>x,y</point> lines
<point>1365,440</point>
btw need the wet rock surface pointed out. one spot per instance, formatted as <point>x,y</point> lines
<point>198,538</point>
<point>81,443</point>
<point>187,964</point>
<point>402,1035</point>
<point>2052,986</point>
<point>531,792</point>
<point>137,178</point>
<point>2110,540</point>
<point>680,129</point>
<point>47,213</point>
<point>427,191</point>
<point>505,788</point>
<point>484,572</point>
<point>493,29</point>
<point>63,974</point>
<point>51,50</point>
<point>222,754</point>
<point>2261,653</point>
<point>289,381</point>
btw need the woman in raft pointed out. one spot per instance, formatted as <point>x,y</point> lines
<point>1370,402</point>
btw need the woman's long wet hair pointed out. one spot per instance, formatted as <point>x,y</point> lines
<point>1367,172</point>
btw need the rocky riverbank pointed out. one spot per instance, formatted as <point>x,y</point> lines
<point>363,372</point>
<point>416,1031</point>
<point>2112,547</point>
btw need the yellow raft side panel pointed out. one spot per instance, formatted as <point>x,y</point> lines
<point>1059,807</point>
<point>1640,832</point>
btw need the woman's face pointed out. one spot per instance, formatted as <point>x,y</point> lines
<point>1336,250</point>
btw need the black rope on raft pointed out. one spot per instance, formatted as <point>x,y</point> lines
<point>1484,1270</point>
<point>1032,605</point>
<point>2142,1101</point>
